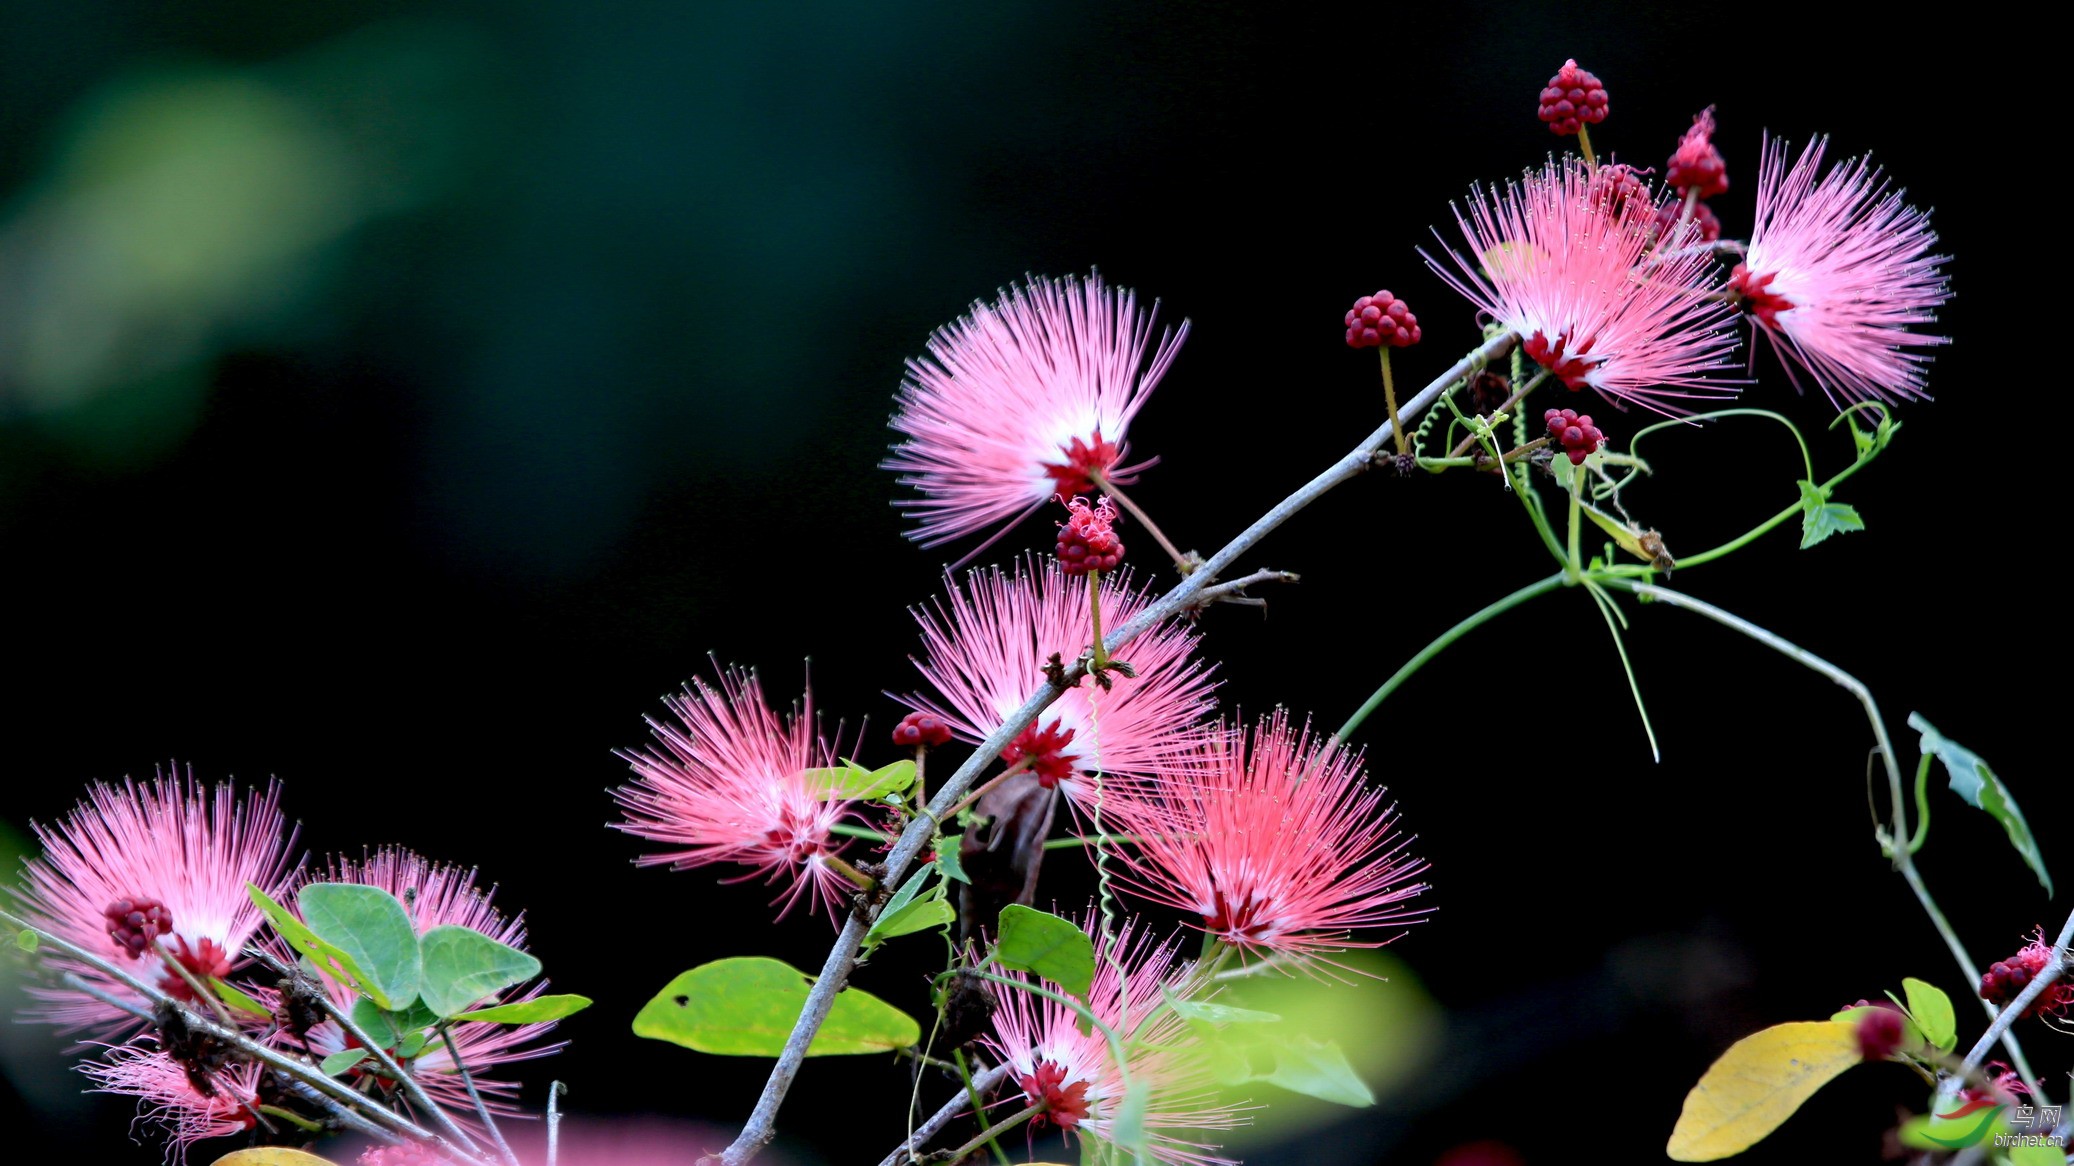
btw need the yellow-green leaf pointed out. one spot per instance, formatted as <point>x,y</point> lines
<point>1932,1010</point>
<point>1757,1084</point>
<point>745,1007</point>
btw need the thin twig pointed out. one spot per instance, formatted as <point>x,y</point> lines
<point>411,1086</point>
<point>761,1126</point>
<point>482,1111</point>
<point>206,1025</point>
<point>906,1151</point>
<point>1234,591</point>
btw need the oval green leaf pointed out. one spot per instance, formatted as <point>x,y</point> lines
<point>535,1011</point>
<point>464,967</point>
<point>372,929</point>
<point>1040,942</point>
<point>745,1007</point>
<point>25,940</point>
<point>1932,1011</point>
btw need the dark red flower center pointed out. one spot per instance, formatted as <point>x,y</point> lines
<point>204,961</point>
<point>1044,749</point>
<point>135,922</point>
<point>1065,1105</point>
<point>1753,294</point>
<point>1238,923</point>
<point>1084,460</point>
<point>793,838</point>
<point>1570,367</point>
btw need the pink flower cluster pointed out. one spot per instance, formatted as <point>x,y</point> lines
<point>151,877</point>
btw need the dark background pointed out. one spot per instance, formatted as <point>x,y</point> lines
<point>466,373</point>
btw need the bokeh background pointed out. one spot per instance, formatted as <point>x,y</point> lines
<point>400,398</point>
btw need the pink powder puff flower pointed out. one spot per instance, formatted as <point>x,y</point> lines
<point>1022,400</point>
<point>148,873</point>
<point>1274,841</point>
<point>988,643</point>
<point>168,1099</point>
<point>435,895</point>
<point>726,782</point>
<point>1563,268</point>
<point>1838,274</point>
<point>1074,1073</point>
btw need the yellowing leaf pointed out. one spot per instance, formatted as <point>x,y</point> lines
<point>271,1156</point>
<point>1757,1084</point>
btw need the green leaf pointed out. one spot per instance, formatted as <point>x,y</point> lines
<point>746,1006</point>
<point>327,958</point>
<point>1974,781</point>
<point>950,856</point>
<point>339,1062</point>
<point>1932,1011</point>
<point>371,928</point>
<point>26,940</point>
<point>1820,518</point>
<point>534,1011</point>
<point>898,905</point>
<point>1318,1069</point>
<point>1040,942</point>
<point>929,910</point>
<point>413,1044</point>
<point>464,967</point>
<point>389,1030</point>
<point>239,1000</point>
<point>853,781</point>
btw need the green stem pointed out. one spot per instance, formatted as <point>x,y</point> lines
<point>1094,613</point>
<point>1390,399</point>
<point>1584,143</point>
<point>1766,527</point>
<point>1891,843</point>
<point>986,1137</point>
<point>1104,839</point>
<point>295,1119</point>
<point>1085,1013</point>
<point>979,1106</point>
<point>1922,804</point>
<point>865,832</point>
<point>1446,638</point>
<point>1573,563</point>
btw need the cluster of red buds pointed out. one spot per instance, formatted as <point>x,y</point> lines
<point>1087,539</point>
<point>1572,99</point>
<point>1697,173</point>
<point>1381,319</point>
